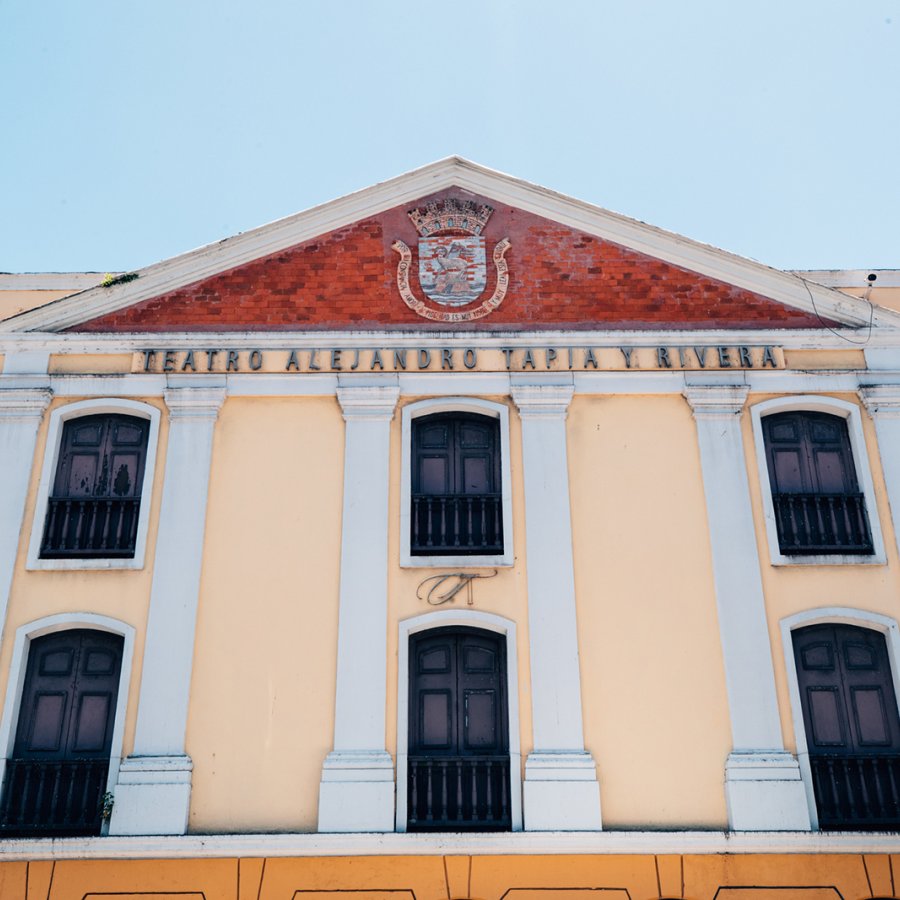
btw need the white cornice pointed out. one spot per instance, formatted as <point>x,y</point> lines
<point>852,278</point>
<point>206,261</point>
<point>796,338</point>
<point>483,844</point>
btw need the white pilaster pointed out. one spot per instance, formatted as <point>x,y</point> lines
<point>21,411</point>
<point>883,404</point>
<point>357,788</point>
<point>561,791</point>
<point>154,787</point>
<point>763,786</point>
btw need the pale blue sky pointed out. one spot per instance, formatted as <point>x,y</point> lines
<point>131,132</point>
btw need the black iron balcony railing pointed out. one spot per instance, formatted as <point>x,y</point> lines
<point>60,798</point>
<point>86,527</point>
<point>810,524</point>
<point>458,793</point>
<point>857,793</point>
<point>456,524</point>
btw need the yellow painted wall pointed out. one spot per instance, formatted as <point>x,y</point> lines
<point>261,716</point>
<point>653,691</point>
<point>89,364</point>
<point>14,302</point>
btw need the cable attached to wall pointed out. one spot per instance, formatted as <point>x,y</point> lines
<point>871,279</point>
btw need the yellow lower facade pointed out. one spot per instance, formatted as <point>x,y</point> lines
<point>724,876</point>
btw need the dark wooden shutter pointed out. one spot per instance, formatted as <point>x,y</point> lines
<point>819,507</point>
<point>63,739</point>
<point>93,508</point>
<point>852,724</point>
<point>458,730</point>
<point>809,452</point>
<point>456,485</point>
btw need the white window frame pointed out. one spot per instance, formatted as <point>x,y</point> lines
<point>468,619</point>
<point>58,418</point>
<point>830,615</point>
<point>25,634</point>
<point>455,404</point>
<point>851,413</point>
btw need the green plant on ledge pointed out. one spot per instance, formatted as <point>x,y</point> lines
<point>106,805</point>
<point>109,279</point>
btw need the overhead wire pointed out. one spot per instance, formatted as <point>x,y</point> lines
<point>836,333</point>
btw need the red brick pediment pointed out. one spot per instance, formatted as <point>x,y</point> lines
<point>559,278</point>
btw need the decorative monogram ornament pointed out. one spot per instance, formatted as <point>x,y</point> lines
<point>452,261</point>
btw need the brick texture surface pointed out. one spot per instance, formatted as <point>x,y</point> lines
<point>560,278</point>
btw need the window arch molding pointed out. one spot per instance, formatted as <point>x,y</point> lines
<point>28,632</point>
<point>471,619</point>
<point>833,615</point>
<point>454,404</point>
<point>851,413</point>
<point>58,418</point>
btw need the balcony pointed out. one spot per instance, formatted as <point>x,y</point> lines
<point>458,793</point>
<point>88,527</point>
<point>857,793</point>
<point>54,798</point>
<point>814,524</point>
<point>456,525</point>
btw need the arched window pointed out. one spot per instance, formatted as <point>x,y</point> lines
<point>93,502</point>
<point>57,775</point>
<point>851,723</point>
<point>818,505</point>
<point>458,764</point>
<point>94,506</point>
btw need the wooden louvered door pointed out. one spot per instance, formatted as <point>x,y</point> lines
<point>852,725</point>
<point>458,731</point>
<point>57,776</point>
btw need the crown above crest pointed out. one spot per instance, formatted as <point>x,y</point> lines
<point>450,215</point>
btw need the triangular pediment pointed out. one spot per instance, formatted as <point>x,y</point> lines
<point>525,259</point>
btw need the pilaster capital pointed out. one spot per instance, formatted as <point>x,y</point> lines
<point>23,404</point>
<point>716,401</point>
<point>542,401</point>
<point>882,400</point>
<point>372,402</point>
<point>194,403</point>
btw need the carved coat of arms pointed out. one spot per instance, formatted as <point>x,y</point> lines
<point>452,261</point>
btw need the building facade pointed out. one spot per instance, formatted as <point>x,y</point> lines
<point>454,539</point>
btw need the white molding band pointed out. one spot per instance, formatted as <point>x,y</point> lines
<point>25,634</point>
<point>154,789</point>
<point>561,788</point>
<point>357,788</point>
<point>471,619</point>
<point>850,412</point>
<point>491,843</point>
<point>883,403</point>
<point>763,787</point>
<point>21,412</point>
<point>833,615</point>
